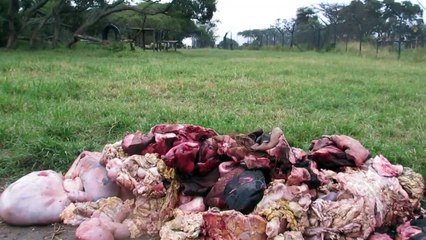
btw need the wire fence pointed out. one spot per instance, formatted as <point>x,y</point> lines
<point>326,38</point>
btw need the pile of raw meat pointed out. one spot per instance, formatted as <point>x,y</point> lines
<point>181,181</point>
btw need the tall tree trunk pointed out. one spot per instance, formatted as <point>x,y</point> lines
<point>12,15</point>
<point>292,38</point>
<point>282,36</point>
<point>57,25</point>
<point>55,13</point>
<point>34,38</point>
<point>335,34</point>
<point>56,31</point>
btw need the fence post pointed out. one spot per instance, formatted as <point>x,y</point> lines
<point>347,40</point>
<point>377,48</point>
<point>361,35</point>
<point>319,39</point>
<point>399,48</point>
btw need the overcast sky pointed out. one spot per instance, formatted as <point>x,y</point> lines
<point>239,15</point>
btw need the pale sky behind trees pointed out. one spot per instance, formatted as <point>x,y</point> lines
<point>239,15</point>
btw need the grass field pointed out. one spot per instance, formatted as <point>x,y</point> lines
<point>56,103</point>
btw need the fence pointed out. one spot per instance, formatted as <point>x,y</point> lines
<point>326,38</point>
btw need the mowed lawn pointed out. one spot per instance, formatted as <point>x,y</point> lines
<point>56,103</point>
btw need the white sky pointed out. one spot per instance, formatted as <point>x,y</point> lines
<point>239,15</point>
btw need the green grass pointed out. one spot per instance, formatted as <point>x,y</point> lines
<point>56,103</point>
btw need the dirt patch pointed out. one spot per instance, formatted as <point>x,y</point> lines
<point>55,231</point>
<point>49,232</point>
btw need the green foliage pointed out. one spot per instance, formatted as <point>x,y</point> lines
<point>56,103</point>
<point>177,27</point>
<point>204,35</point>
<point>306,17</point>
<point>48,19</point>
<point>199,10</point>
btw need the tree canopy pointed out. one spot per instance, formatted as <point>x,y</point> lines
<point>41,21</point>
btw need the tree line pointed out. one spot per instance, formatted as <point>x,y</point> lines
<point>323,25</point>
<point>42,22</point>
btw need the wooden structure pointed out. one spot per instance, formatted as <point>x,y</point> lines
<point>170,44</point>
<point>108,28</point>
<point>151,38</point>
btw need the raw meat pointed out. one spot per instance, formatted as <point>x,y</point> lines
<point>244,191</point>
<point>165,179</point>
<point>36,198</point>
<point>233,225</point>
<point>194,206</point>
<point>216,197</point>
<point>134,143</point>
<point>290,235</point>
<point>101,228</point>
<point>385,168</point>
<point>412,230</point>
<point>149,214</point>
<point>284,207</point>
<point>138,174</point>
<point>112,207</point>
<point>271,141</point>
<point>379,236</point>
<point>103,223</point>
<point>87,179</point>
<point>338,150</point>
<point>183,226</point>
<point>365,200</point>
<point>182,156</point>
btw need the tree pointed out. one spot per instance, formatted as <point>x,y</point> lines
<point>362,18</point>
<point>270,35</point>
<point>226,43</point>
<point>12,15</point>
<point>359,20</point>
<point>176,26</point>
<point>306,17</point>
<point>401,17</point>
<point>52,11</point>
<point>106,9</point>
<point>4,29</point>
<point>333,14</point>
<point>20,14</point>
<point>204,35</point>
<point>199,10</point>
<point>307,27</point>
<point>290,25</point>
<point>255,36</point>
<point>39,19</point>
<point>279,26</point>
